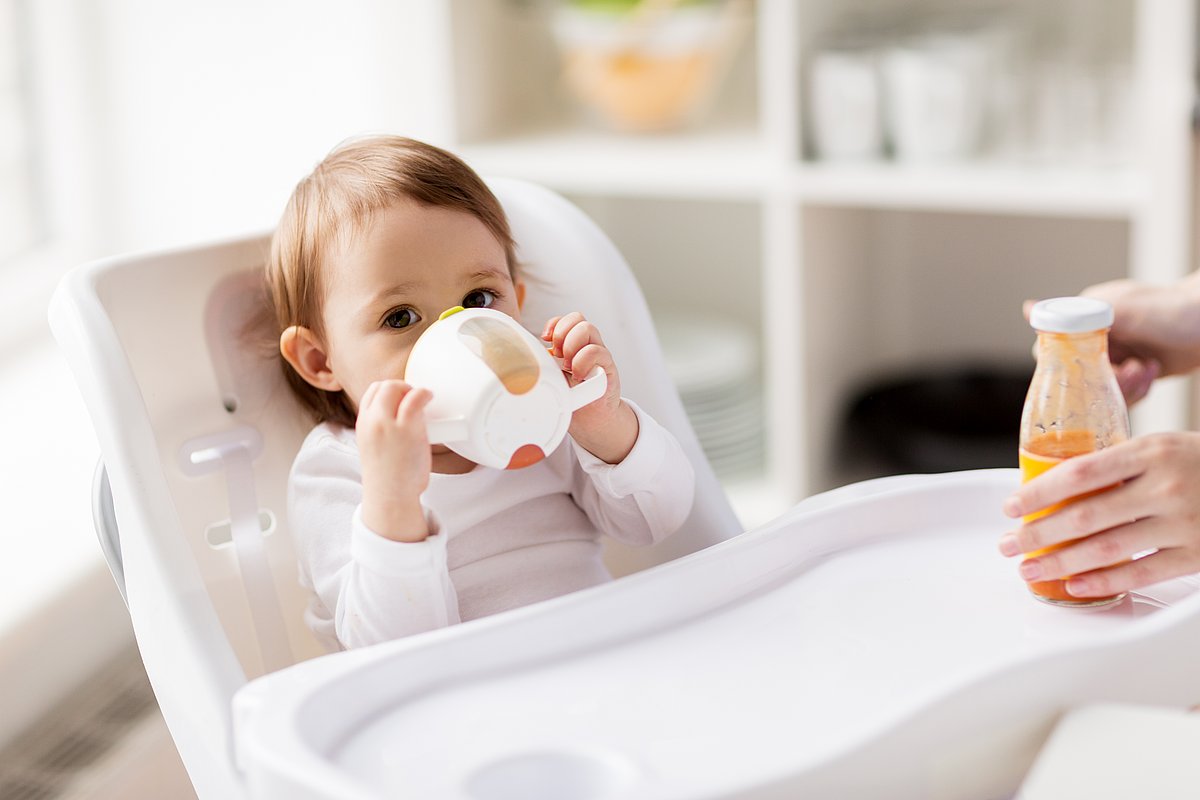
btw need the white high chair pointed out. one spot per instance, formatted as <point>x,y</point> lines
<point>868,643</point>
<point>197,431</point>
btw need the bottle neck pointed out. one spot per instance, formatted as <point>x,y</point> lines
<point>1073,346</point>
<point>1073,395</point>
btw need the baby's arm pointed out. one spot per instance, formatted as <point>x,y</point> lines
<point>647,496</point>
<point>636,483</point>
<point>373,588</point>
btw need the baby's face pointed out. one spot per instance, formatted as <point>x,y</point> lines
<point>391,281</point>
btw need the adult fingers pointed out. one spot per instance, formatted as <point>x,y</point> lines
<point>1135,377</point>
<point>1090,515</point>
<point>1163,565</point>
<point>1101,550</point>
<point>1077,476</point>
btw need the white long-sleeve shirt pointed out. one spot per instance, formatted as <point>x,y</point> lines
<point>499,539</point>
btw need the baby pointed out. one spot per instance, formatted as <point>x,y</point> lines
<point>394,536</point>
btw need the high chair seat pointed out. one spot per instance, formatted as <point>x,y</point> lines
<point>197,432</point>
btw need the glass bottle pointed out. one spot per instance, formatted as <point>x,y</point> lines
<point>1074,407</point>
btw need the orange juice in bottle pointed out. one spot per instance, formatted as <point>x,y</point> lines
<point>1074,407</point>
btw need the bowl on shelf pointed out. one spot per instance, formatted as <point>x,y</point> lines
<point>646,65</point>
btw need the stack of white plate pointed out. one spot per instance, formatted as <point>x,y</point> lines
<point>715,368</point>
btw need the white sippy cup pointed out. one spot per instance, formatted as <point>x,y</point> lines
<point>499,397</point>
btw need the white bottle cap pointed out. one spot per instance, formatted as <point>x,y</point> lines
<point>1071,315</point>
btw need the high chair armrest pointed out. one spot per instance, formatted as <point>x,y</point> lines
<point>105,520</point>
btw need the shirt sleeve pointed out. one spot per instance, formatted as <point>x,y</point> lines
<point>644,498</point>
<point>368,588</point>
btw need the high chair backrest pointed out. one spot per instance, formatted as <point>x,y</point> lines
<point>197,430</point>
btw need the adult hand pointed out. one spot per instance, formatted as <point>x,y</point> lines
<point>1154,504</point>
<point>1156,331</point>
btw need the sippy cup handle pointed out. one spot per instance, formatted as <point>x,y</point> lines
<point>591,390</point>
<point>444,431</point>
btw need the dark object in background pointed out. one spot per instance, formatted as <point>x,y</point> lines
<point>935,420</point>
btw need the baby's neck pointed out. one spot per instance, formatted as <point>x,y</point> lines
<point>451,463</point>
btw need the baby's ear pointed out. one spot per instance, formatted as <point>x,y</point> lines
<point>304,351</point>
<point>520,287</point>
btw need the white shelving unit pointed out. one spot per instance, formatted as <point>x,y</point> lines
<point>844,270</point>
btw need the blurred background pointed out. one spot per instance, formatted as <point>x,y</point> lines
<point>834,208</point>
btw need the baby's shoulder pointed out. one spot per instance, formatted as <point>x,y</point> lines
<point>327,446</point>
<point>330,435</point>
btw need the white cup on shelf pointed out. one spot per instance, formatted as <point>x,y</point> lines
<point>935,92</point>
<point>845,105</point>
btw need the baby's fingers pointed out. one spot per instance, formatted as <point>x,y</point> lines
<point>382,399</point>
<point>548,328</point>
<point>387,399</point>
<point>411,410</point>
<point>561,328</point>
<point>580,336</point>
<point>369,395</point>
<point>590,357</point>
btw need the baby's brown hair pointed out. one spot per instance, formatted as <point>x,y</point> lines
<point>358,178</point>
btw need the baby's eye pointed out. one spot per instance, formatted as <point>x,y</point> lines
<point>480,298</point>
<point>401,318</point>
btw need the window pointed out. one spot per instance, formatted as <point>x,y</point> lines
<point>20,226</point>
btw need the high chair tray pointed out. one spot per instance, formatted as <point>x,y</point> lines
<point>871,644</point>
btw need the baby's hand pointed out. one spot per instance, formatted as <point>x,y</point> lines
<point>606,428</point>
<point>396,460</point>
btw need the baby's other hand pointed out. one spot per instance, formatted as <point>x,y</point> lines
<point>606,428</point>
<point>396,460</point>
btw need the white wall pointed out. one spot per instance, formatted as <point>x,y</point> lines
<point>213,111</point>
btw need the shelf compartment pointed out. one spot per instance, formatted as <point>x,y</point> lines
<point>890,292</point>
